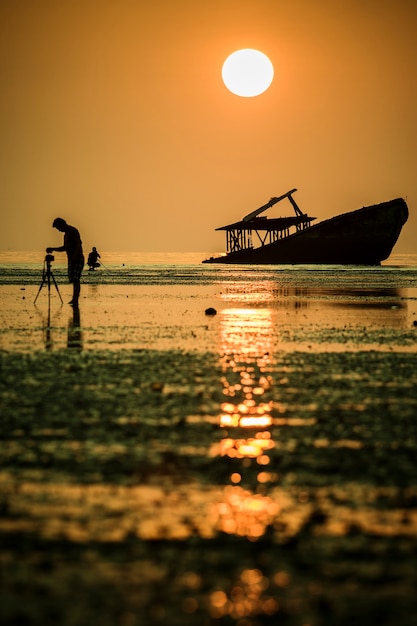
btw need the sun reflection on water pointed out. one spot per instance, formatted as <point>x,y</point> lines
<point>253,447</point>
<point>246,343</point>
<point>248,596</point>
<point>246,331</point>
<point>244,513</point>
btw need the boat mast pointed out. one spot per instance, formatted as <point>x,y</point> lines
<point>253,214</point>
<point>239,234</point>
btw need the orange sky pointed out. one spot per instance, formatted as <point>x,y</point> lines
<point>114,116</point>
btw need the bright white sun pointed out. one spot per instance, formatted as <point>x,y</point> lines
<point>247,72</point>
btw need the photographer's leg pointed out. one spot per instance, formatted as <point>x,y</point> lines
<point>76,292</point>
<point>74,277</point>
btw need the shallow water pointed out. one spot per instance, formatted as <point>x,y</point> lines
<point>179,268</point>
<point>147,303</point>
<point>168,467</point>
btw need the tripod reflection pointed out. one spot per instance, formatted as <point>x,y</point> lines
<point>54,331</point>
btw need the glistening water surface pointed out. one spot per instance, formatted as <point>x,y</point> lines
<point>165,466</point>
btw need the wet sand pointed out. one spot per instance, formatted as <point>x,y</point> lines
<point>163,466</point>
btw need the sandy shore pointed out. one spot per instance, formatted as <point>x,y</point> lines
<point>162,466</point>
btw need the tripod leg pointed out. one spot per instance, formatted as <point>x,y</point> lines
<point>56,287</point>
<point>41,285</point>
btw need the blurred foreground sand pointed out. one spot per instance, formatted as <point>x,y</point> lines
<point>159,466</point>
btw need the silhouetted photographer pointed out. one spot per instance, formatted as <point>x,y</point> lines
<point>73,247</point>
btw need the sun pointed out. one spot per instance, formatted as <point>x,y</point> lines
<point>247,72</point>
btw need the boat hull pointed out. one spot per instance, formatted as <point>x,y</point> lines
<point>362,237</point>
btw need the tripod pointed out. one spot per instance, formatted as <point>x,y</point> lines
<point>47,275</point>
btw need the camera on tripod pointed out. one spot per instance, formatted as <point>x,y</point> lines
<point>49,258</point>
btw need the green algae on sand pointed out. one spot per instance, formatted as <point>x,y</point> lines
<point>131,481</point>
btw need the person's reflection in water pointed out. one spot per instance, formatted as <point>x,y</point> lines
<point>75,336</point>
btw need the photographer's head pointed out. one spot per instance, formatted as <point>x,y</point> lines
<point>60,224</point>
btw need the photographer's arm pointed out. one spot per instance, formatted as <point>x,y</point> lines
<point>60,249</point>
